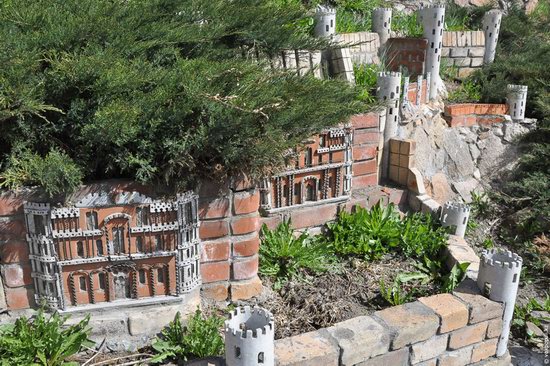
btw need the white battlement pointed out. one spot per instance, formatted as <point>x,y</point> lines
<point>455,214</point>
<point>249,337</point>
<point>516,99</point>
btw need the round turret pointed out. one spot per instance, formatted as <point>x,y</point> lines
<point>433,20</point>
<point>491,28</point>
<point>455,214</point>
<point>325,21</point>
<point>498,279</point>
<point>381,24</point>
<point>249,337</point>
<point>516,99</point>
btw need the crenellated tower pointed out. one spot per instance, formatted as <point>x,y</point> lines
<point>491,28</point>
<point>455,214</point>
<point>433,20</point>
<point>516,99</point>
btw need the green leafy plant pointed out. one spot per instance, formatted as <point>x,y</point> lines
<point>355,15</point>
<point>394,294</point>
<point>368,233</point>
<point>454,277</point>
<point>469,91</point>
<point>421,236</point>
<point>480,204</point>
<point>407,25</point>
<point>284,256</point>
<point>42,341</point>
<point>199,338</point>
<point>524,314</point>
<point>365,79</point>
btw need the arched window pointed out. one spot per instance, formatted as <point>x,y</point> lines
<point>142,216</point>
<point>139,244</point>
<point>261,357</point>
<point>310,191</point>
<point>82,283</point>
<point>118,239</point>
<point>80,249</point>
<point>91,220</point>
<point>99,247</point>
<point>101,281</point>
<point>160,275</point>
<point>158,242</point>
<point>142,276</point>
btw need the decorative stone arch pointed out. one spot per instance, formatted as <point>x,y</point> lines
<point>73,289</point>
<point>310,189</point>
<point>123,247</point>
<point>130,269</point>
<point>154,277</point>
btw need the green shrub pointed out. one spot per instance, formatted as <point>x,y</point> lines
<point>421,236</point>
<point>355,15</point>
<point>407,25</point>
<point>454,277</point>
<point>42,341</point>
<point>55,172</point>
<point>468,91</point>
<point>365,79</point>
<point>199,338</point>
<point>394,294</point>
<point>524,314</point>
<point>368,233</point>
<point>284,256</point>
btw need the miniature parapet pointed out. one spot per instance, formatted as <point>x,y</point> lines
<point>325,21</point>
<point>498,279</point>
<point>455,214</point>
<point>249,337</point>
<point>516,99</point>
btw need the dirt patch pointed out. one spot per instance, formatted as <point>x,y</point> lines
<point>315,302</point>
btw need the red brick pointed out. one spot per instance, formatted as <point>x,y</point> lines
<point>10,204</point>
<point>364,120</point>
<point>245,268</point>
<point>398,196</point>
<point>244,290</point>
<point>364,167</point>
<point>213,208</point>
<point>494,328</point>
<point>468,335</point>
<point>246,247</point>
<point>209,188</point>
<point>365,152</point>
<point>215,271</point>
<point>213,229</point>
<point>215,250</point>
<point>19,298</point>
<point>246,202</point>
<point>490,119</point>
<point>470,120</point>
<point>216,291</point>
<point>364,181</point>
<point>245,225</point>
<point>16,275</point>
<point>375,196</point>
<point>366,136</point>
<point>313,216</point>
<point>484,350</point>
<point>13,228</point>
<point>13,251</point>
<point>242,182</point>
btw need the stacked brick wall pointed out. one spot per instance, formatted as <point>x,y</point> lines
<point>413,95</point>
<point>464,50</point>
<point>407,55</point>
<point>366,141</point>
<point>229,233</point>
<point>470,114</point>
<point>363,46</point>
<point>401,160</point>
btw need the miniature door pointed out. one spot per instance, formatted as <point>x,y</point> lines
<point>121,285</point>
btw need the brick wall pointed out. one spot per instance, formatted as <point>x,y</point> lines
<point>363,46</point>
<point>407,55</point>
<point>470,114</point>
<point>413,95</point>
<point>401,160</point>
<point>230,241</point>
<point>464,50</point>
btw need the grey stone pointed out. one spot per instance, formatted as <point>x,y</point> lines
<point>497,130</point>
<point>534,330</point>
<point>411,323</point>
<point>429,349</point>
<point>477,174</point>
<point>465,188</point>
<point>460,164</point>
<point>459,357</point>
<point>462,62</point>
<point>307,349</point>
<point>445,52</point>
<point>474,151</point>
<point>394,358</point>
<point>513,130</point>
<point>522,356</point>
<point>492,151</point>
<point>476,62</point>
<point>459,52</point>
<point>151,321</point>
<point>476,52</point>
<point>360,339</point>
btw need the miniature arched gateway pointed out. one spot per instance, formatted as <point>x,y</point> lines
<point>106,249</point>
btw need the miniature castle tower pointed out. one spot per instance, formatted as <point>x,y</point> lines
<point>498,279</point>
<point>249,337</point>
<point>388,92</point>
<point>381,24</point>
<point>433,20</point>
<point>491,28</point>
<point>325,21</point>
<point>455,214</point>
<point>516,99</point>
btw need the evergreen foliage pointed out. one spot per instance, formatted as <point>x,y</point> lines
<point>155,90</point>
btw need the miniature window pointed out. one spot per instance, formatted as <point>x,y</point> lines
<point>322,141</point>
<point>320,159</point>
<point>51,289</point>
<point>331,23</point>
<point>158,243</point>
<point>139,244</point>
<point>118,239</point>
<point>310,192</point>
<point>82,283</point>
<point>261,357</point>
<point>101,280</point>
<point>237,352</point>
<point>308,157</point>
<point>80,249</point>
<point>99,247</point>
<point>160,275</point>
<point>330,157</point>
<point>142,216</point>
<point>39,226</point>
<point>91,220</point>
<point>326,28</point>
<point>142,276</point>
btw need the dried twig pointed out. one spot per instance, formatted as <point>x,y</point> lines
<point>97,352</point>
